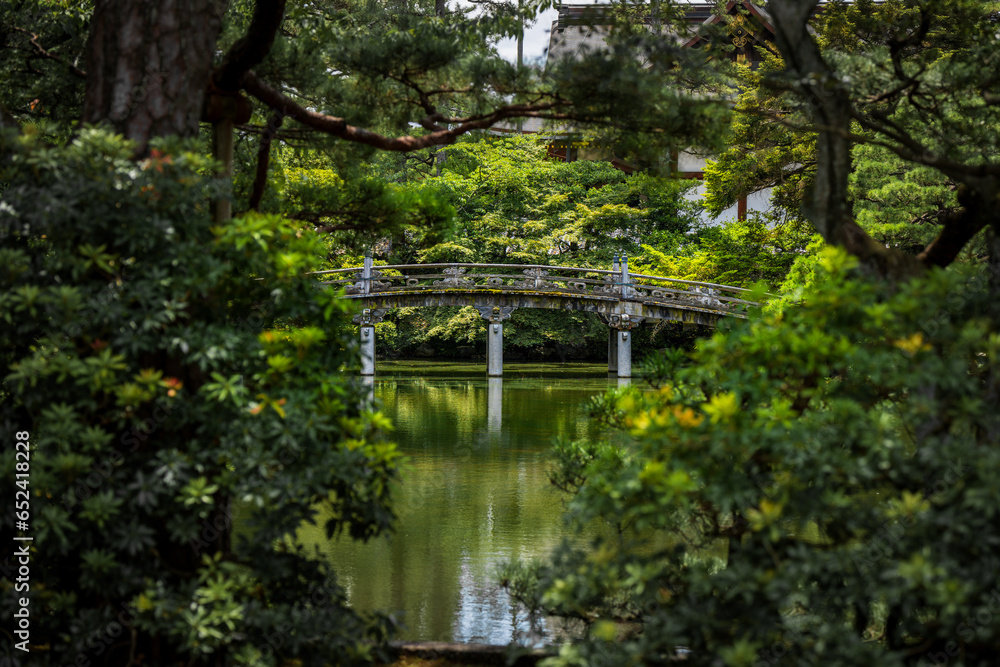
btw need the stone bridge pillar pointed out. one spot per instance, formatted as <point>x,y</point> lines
<point>368,319</point>
<point>622,326</point>
<point>621,323</point>
<point>494,315</point>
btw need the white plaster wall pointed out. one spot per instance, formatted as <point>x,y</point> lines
<point>690,160</point>
<point>574,40</point>
<point>758,201</point>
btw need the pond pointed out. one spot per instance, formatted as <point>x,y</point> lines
<point>475,493</point>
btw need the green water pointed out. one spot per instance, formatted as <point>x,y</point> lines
<point>474,493</point>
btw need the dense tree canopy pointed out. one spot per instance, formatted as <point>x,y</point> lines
<point>899,95</point>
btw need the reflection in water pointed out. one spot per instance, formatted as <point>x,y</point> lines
<point>474,493</point>
<point>494,401</point>
<point>368,382</point>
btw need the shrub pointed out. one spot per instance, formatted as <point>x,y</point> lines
<point>817,488</point>
<point>185,394</point>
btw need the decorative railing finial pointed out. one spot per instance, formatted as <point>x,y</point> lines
<point>366,273</point>
<point>625,290</point>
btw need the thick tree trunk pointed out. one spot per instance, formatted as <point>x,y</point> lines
<point>976,212</point>
<point>149,65</point>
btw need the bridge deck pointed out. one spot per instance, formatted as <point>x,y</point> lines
<point>538,286</point>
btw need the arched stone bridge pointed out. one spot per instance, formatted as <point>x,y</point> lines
<point>622,299</point>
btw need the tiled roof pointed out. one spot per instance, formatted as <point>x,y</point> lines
<point>696,12</point>
<point>594,14</point>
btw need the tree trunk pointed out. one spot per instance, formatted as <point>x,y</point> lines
<point>149,65</point>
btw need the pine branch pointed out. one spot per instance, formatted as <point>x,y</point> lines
<point>338,127</point>
<point>250,49</point>
<point>40,50</point>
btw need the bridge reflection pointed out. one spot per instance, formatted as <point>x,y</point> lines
<point>494,404</point>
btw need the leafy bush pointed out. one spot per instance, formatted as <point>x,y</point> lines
<point>514,204</point>
<point>184,390</point>
<point>817,488</point>
<point>739,252</point>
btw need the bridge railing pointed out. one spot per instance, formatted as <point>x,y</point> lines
<point>579,281</point>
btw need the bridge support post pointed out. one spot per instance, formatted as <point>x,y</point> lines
<point>367,325</point>
<point>366,274</point>
<point>367,350</point>
<point>621,327</point>
<point>494,337</point>
<point>624,353</point>
<point>495,315</point>
<point>624,325</point>
<point>368,319</point>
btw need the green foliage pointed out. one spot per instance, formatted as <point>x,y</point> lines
<point>739,252</point>
<point>516,205</point>
<point>815,486</point>
<point>368,58</point>
<point>757,249</point>
<point>761,153</point>
<point>920,76</point>
<point>450,332</point>
<point>35,87</point>
<point>359,211</point>
<point>899,204</point>
<point>177,380</point>
<point>933,93</point>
